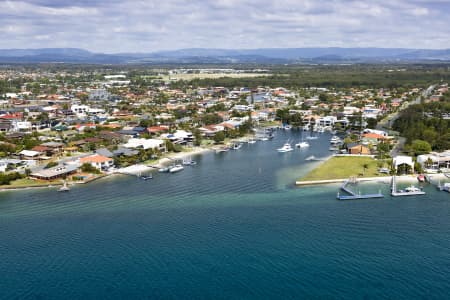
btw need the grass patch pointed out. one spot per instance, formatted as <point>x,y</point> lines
<point>26,182</point>
<point>344,167</point>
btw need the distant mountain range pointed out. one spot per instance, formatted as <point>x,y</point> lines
<point>202,55</point>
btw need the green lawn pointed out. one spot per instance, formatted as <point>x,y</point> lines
<point>25,182</point>
<point>344,167</point>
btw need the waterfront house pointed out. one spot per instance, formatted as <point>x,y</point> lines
<point>98,161</point>
<point>145,144</point>
<point>358,149</point>
<point>60,171</point>
<point>435,160</point>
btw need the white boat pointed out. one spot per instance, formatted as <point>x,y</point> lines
<point>164,170</point>
<point>251,141</point>
<point>312,157</point>
<point>176,168</point>
<point>222,149</point>
<point>311,137</point>
<point>412,189</point>
<point>286,148</point>
<point>335,139</point>
<point>287,127</point>
<point>302,145</point>
<point>145,177</point>
<point>189,162</point>
<point>237,146</point>
<point>64,188</point>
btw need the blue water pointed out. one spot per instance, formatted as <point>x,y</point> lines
<point>232,227</point>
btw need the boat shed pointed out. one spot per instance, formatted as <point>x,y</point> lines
<point>403,160</point>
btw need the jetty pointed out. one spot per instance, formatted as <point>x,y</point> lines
<point>408,191</point>
<point>352,195</point>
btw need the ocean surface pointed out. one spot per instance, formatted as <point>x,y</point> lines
<point>232,227</point>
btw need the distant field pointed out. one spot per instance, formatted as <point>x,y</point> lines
<point>343,167</point>
<point>210,76</point>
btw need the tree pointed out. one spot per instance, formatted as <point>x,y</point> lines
<point>197,137</point>
<point>51,164</point>
<point>420,147</point>
<point>365,167</point>
<point>429,162</point>
<point>219,137</point>
<point>371,123</point>
<point>296,120</point>
<point>88,168</point>
<point>323,97</point>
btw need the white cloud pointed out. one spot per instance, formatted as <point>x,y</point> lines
<point>138,25</point>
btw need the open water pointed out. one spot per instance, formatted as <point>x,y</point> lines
<point>232,227</point>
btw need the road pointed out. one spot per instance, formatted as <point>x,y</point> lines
<point>387,122</point>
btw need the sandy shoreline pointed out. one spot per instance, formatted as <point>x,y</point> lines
<point>435,178</point>
<point>133,169</point>
<point>160,163</point>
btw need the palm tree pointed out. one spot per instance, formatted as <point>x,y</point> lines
<point>365,166</point>
<point>429,162</point>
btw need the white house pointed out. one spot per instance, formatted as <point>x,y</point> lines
<point>98,161</point>
<point>145,144</point>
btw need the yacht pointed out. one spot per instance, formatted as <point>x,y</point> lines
<point>287,127</point>
<point>302,145</point>
<point>286,148</point>
<point>176,168</point>
<point>164,170</point>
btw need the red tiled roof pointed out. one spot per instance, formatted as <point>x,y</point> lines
<point>96,158</point>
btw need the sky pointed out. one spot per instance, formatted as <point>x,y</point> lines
<point>113,26</point>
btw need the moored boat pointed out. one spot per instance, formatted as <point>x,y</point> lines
<point>302,145</point>
<point>64,188</point>
<point>176,168</point>
<point>286,148</point>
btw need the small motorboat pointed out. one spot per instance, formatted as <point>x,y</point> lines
<point>146,177</point>
<point>302,145</point>
<point>311,137</point>
<point>164,170</point>
<point>176,168</point>
<point>286,148</point>
<point>189,162</point>
<point>64,188</point>
<point>412,189</point>
<point>237,146</point>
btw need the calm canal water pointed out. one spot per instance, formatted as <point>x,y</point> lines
<point>232,227</point>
